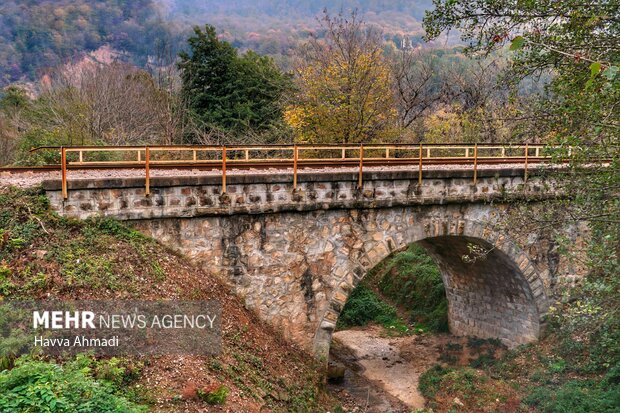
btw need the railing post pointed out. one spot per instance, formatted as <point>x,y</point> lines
<point>295,157</point>
<point>63,168</point>
<point>194,155</point>
<point>81,157</point>
<point>387,153</point>
<point>344,154</point>
<point>420,170</point>
<point>147,170</point>
<point>526,162</point>
<point>359,180</point>
<point>475,163</point>
<point>223,169</point>
<point>247,154</point>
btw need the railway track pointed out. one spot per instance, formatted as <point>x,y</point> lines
<point>232,164</point>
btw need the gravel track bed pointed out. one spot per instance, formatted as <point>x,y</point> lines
<point>29,179</point>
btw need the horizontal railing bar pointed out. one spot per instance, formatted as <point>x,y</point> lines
<point>291,146</point>
<point>276,160</point>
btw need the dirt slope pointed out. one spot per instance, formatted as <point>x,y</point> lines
<point>45,256</point>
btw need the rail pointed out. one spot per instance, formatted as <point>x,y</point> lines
<point>296,157</point>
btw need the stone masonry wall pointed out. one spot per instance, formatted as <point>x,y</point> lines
<point>294,256</point>
<point>124,198</point>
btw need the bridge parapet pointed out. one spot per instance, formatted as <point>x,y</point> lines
<point>195,196</point>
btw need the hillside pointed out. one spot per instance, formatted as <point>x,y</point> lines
<point>45,256</point>
<point>291,8</point>
<point>38,35</point>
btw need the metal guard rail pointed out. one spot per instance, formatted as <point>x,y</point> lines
<point>227,157</point>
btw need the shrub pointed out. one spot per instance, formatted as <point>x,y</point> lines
<point>575,396</point>
<point>364,307</point>
<point>217,395</point>
<point>36,138</point>
<point>413,280</point>
<point>118,371</point>
<point>48,387</point>
<point>431,379</point>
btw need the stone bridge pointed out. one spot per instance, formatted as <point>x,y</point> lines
<point>295,255</point>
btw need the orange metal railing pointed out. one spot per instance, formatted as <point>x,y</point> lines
<point>295,156</point>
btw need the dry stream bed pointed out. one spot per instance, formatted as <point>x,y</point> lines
<point>382,372</point>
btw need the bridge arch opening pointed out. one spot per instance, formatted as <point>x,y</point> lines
<point>488,296</point>
<point>488,293</point>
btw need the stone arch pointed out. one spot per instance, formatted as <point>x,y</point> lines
<point>501,296</point>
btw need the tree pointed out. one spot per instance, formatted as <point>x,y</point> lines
<point>231,92</point>
<point>115,104</point>
<point>90,104</point>
<point>13,102</point>
<point>415,87</point>
<point>578,43</point>
<point>344,83</point>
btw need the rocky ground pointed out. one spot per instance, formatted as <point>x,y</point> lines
<point>390,368</point>
<point>382,373</point>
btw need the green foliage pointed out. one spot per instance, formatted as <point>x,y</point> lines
<point>431,379</point>
<point>13,341</point>
<point>97,226</point>
<point>227,91</point>
<point>118,371</point>
<point>215,396</point>
<point>412,280</point>
<point>47,387</point>
<point>575,396</point>
<point>580,46</point>
<point>474,390</point>
<point>77,254</point>
<point>34,139</point>
<point>587,328</point>
<point>517,43</point>
<point>13,99</point>
<point>364,307</point>
<point>20,212</point>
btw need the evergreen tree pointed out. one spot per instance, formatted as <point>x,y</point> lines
<point>231,92</point>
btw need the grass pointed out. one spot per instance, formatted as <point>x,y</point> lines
<point>412,280</point>
<point>41,251</point>
<point>574,367</point>
<point>575,396</point>
<point>407,283</point>
<point>217,395</point>
<point>464,389</point>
